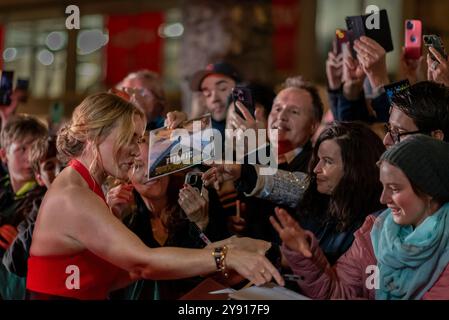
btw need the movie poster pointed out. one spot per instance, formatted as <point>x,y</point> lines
<point>172,150</point>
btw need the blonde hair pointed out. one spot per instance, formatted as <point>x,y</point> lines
<point>93,120</point>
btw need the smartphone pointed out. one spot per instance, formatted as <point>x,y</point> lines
<point>23,85</point>
<point>382,35</point>
<point>194,179</point>
<point>6,87</point>
<point>245,96</point>
<point>432,40</point>
<point>413,39</point>
<point>341,38</point>
<point>395,88</point>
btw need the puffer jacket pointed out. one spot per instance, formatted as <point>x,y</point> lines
<point>349,276</point>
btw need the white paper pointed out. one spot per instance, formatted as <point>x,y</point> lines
<point>268,291</point>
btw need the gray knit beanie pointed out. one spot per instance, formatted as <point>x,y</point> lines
<point>425,161</point>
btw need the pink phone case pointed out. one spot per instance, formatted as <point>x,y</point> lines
<point>413,39</point>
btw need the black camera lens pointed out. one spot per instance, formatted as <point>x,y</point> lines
<point>409,25</point>
<point>426,39</point>
<point>413,39</point>
<point>192,179</point>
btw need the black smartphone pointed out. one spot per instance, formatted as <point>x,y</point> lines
<point>6,87</point>
<point>432,40</point>
<point>194,179</point>
<point>23,85</point>
<point>245,96</point>
<point>382,35</point>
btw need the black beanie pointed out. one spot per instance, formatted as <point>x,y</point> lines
<point>425,161</point>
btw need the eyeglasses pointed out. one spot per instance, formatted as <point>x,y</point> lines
<point>396,135</point>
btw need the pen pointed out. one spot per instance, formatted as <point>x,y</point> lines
<point>202,235</point>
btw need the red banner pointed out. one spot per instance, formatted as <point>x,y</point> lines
<point>286,23</point>
<point>133,44</point>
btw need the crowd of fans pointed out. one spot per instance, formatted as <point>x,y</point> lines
<point>345,197</point>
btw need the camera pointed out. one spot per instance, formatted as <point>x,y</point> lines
<point>194,179</point>
<point>409,25</point>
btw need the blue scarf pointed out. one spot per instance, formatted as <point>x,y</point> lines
<point>410,261</point>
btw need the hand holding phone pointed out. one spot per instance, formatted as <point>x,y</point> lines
<point>432,40</point>
<point>357,27</point>
<point>194,179</point>
<point>413,36</point>
<point>244,95</point>
<point>6,87</point>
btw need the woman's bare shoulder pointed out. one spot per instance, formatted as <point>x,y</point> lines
<point>70,193</point>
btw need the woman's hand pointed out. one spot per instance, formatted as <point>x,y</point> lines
<point>216,175</point>
<point>174,119</point>
<point>334,70</point>
<point>291,233</point>
<point>411,68</point>
<point>119,197</point>
<point>249,244</point>
<point>372,58</point>
<point>438,70</point>
<point>353,76</point>
<point>195,205</point>
<point>253,266</point>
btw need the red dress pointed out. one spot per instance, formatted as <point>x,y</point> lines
<point>53,277</point>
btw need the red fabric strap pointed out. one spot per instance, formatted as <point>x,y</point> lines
<point>82,170</point>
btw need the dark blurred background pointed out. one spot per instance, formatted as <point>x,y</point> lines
<point>266,39</point>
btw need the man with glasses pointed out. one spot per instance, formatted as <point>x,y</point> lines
<point>423,108</point>
<point>216,83</point>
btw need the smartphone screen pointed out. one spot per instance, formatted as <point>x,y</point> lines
<point>395,88</point>
<point>6,87</point>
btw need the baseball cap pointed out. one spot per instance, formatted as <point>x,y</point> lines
<point>222,68</point>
